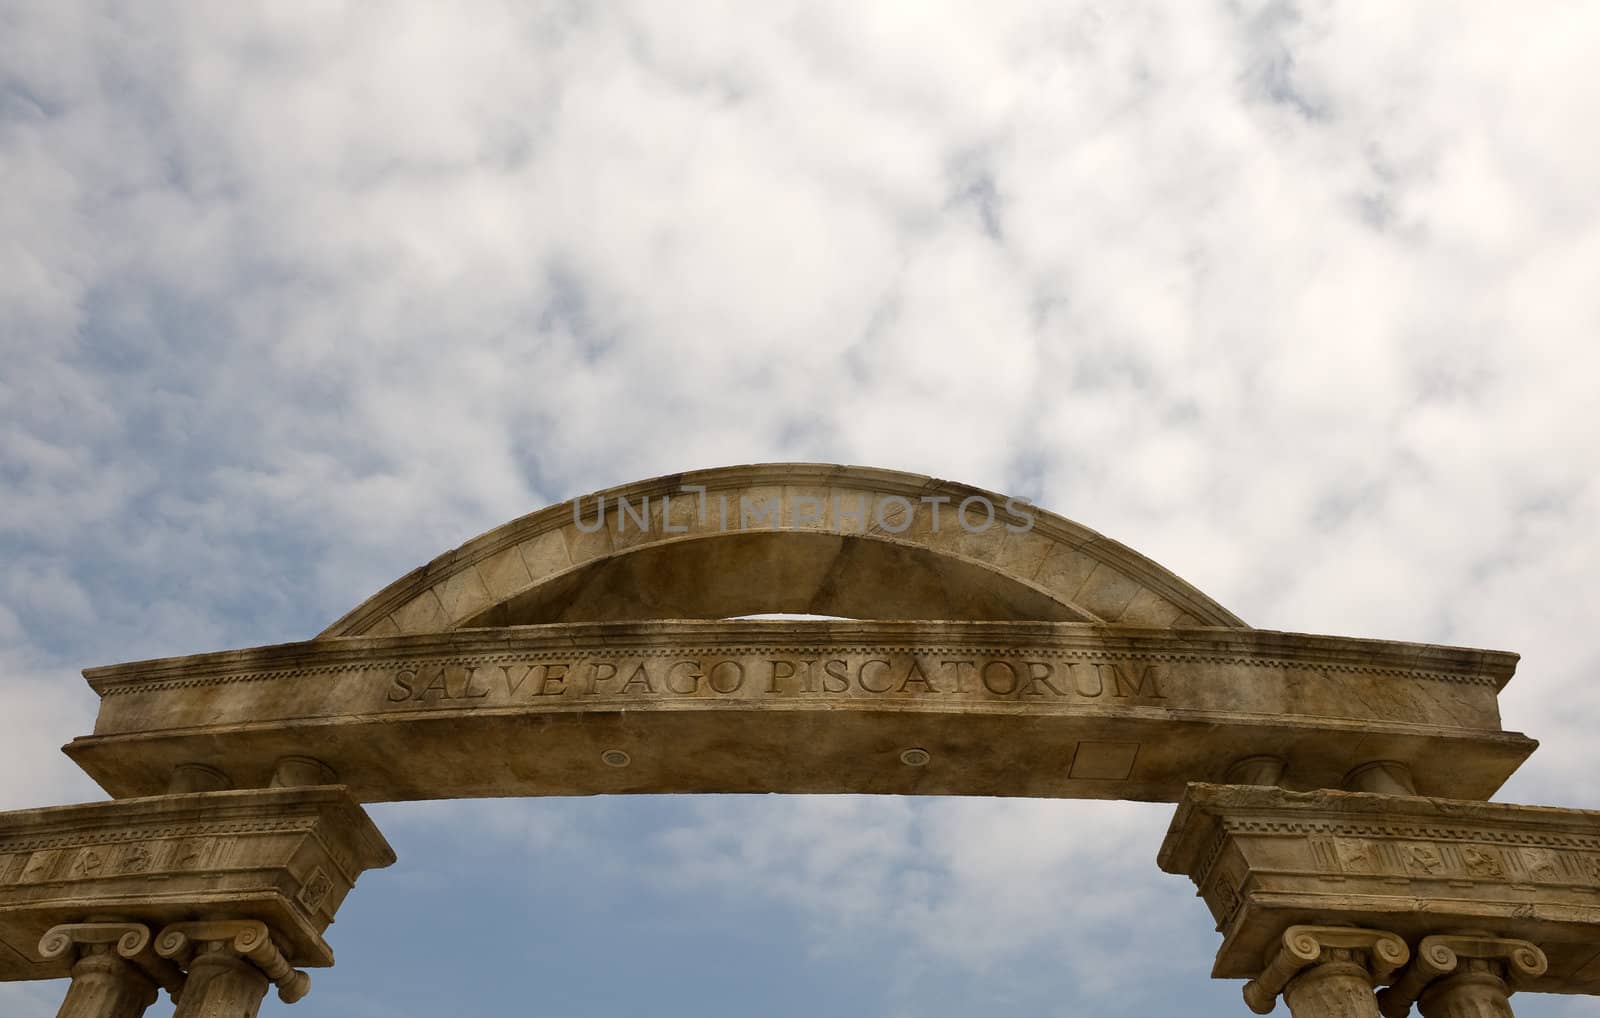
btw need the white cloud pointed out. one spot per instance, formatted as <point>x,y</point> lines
<point>44,710</point>
<point>1296,299</point>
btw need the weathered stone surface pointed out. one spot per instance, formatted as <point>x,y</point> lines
<point>106,985</point>
<point>222,984</point>
<point>1265,859</point>
<point>115,967</point>
<point>1464,976</point>
<point>595,647</point>
<point>228,964</point>
<point>284,856</point>
<point>1046,709</point>
<point>785,537</point>
<point>1334,989</point>
<point>1326,971</point>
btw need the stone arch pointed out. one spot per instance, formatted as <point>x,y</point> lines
<point>557,656</point>
<point>816,538</point>
<point>561,654</point>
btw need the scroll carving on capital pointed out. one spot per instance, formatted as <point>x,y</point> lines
<point>130,941</point>
<point>1266,858</point>
<point>1380,953</point>
<point>1508,961</point>
<point>247,939</point>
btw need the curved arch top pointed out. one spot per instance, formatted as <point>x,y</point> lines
<point>565,654</point>
<point>785,537</point>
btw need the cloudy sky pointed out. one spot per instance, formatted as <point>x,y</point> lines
<point>1300,300</point>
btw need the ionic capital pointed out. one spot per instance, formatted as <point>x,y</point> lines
<point>245,938</point>
<point>130,941</point>
<point>1441,956</point>
<point>1379,953</point>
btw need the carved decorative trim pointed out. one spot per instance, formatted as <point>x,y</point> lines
<point>1440,956</point>
<point>134,833</point>
<point>136,684</point>
<point>349,869</point>
<point>1428,852</point>
<point>1415,866</point>
<point>245,938</point>
<point>1367,829</point>
<point>1302,946</point>
<point>132,940</point>
<point>1208,861</point>
<point>314,891</point>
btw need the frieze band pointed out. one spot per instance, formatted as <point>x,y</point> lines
<point>981,678</point>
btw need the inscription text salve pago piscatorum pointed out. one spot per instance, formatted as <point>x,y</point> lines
<point>583,679</point>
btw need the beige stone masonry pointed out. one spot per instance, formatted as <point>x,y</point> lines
<point>1464,976</point>
<point>984,646</point>
<point>130,942</point>
<point>785,537</point>
<point>1030,709</point>
<point>225,944</point>
<point>1524,877</point>
<point>115,971</point>
<point>1323,971</point>
<point>285,857</point>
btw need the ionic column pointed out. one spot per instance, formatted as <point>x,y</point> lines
<point>1257,770</point>
<point>1386,777</point>
<point>115,975</point>
<point>105,986</point>
<point>1327,972</point>
<point>291,771</point>
<point>230,963</point>
<point>195,777</point>
<point>1463,976</point>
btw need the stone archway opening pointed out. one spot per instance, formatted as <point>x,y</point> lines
<point>742,574</point>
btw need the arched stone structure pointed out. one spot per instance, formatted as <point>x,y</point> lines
<point>985,646</point>
<point>803,538</point>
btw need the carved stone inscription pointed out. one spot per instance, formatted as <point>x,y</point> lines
<point>1104,704</point>
<point>1060,668</point>
<point>581,679</point>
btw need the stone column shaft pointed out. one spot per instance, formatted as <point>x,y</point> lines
<point>106,986</point>
<point>221,985</point>
<point>1332,989</point>
<point>1472,994</point>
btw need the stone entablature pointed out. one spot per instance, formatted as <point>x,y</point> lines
<point>1265,859</point>
<point>282,856</point>
<point>808,706</point>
